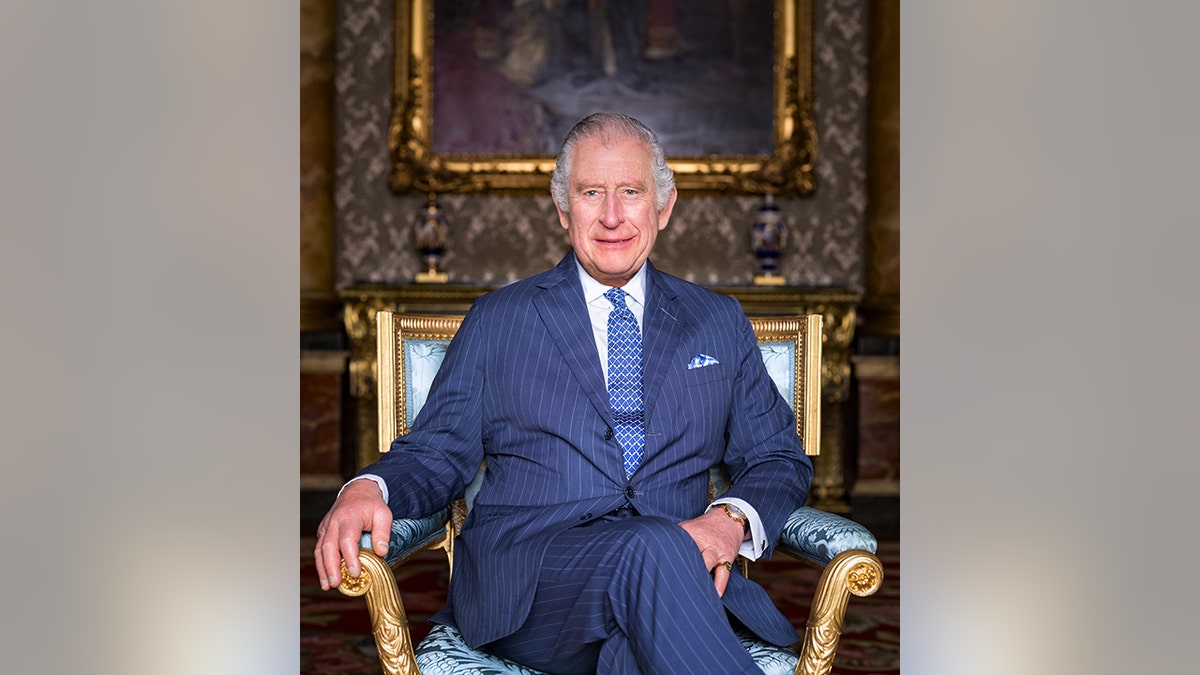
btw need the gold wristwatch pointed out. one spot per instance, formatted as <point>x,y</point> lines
<point>736,513</point>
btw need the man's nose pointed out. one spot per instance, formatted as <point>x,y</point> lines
<point>612,211</point>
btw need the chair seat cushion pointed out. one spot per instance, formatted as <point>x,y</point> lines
<point>773,660</point>
<point>443,652</point>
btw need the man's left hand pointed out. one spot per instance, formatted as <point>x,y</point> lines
<point>719,537</point>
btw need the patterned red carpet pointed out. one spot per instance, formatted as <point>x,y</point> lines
<point>335,632</point>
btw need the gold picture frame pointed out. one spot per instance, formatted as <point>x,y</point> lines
<point>787,171</point>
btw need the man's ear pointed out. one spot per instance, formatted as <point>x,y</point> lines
<point>562,217</point>
<point>665,214</point>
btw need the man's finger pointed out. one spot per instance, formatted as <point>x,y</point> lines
<point>381,531</point>
<point>321,557</point>
<point>721,577</point>
<point>333,563</point>
<point>320,567</point>
<point>350,555</point>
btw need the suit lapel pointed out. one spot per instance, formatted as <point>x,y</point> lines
<point>660,336</point>
<point>562,310</point>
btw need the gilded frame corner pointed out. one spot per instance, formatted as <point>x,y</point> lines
<point>788,171</point>
<point>392,331</point>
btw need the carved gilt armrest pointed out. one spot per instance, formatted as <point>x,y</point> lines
<point>846,551</point>
<point>389,622</point>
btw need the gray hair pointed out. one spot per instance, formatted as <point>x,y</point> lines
<point>611,126</point>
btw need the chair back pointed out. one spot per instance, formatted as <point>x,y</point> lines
<point>411,348</point>
<point>791,350</point>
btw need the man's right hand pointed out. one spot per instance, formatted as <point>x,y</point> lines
<point>360,508</point>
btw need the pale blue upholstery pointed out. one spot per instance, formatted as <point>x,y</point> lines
<point>819,536</point>
<point>422,358</point>
<point>780,360</point>
<point>411,535</point>
<point>773,660</point>
<point>443,652</point>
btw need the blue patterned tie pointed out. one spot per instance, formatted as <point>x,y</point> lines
<point>625,379</point>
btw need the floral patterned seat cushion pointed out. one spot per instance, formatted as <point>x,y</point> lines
<point>443,652</point>
<point>773,660</point>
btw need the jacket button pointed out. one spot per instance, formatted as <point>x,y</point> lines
<point>585,516</point>
<point>629,492</point>
<point>608,434</point>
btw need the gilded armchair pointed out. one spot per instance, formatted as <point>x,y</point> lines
<point>410,349</point>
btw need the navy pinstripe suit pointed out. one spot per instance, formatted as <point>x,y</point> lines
<point>522,386</point>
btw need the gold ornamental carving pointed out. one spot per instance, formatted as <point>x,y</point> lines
<point>863,580</point>
<point>389,623</point>
<point>851,572</point>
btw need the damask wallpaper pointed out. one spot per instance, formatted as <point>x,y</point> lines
<point>495,239</point>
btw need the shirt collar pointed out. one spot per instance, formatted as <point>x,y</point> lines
<point>593,290</point>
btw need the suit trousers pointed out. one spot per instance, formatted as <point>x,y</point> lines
<point>626,595</point>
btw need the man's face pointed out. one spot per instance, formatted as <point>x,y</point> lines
<point>613,220</point>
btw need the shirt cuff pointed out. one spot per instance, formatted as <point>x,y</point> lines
<point>378,481</point>
<point>756,541</point>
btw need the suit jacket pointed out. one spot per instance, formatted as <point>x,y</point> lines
<point>521,386</point>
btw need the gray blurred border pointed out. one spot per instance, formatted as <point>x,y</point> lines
<point>1049,274</point>
<point>148,269</point>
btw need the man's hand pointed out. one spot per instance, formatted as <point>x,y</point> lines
<point>360,508</point>
<point>719,538</point>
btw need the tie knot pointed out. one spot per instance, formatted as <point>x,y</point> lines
<point>617,297</point>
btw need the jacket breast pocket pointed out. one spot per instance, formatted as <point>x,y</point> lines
<point>698,376</point>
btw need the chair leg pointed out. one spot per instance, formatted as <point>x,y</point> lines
<point>854,571</point>
<point>389,623</point>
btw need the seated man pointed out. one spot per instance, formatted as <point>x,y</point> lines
<point>600,393</point>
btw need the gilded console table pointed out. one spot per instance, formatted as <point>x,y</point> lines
<point>839,307</point>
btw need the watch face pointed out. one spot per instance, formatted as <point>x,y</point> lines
<point>736,514</point>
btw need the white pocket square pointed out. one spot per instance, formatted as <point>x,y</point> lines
<point>702,360</point>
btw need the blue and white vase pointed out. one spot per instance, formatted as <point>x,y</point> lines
<point>430,231</point>
<point>768,239</point>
